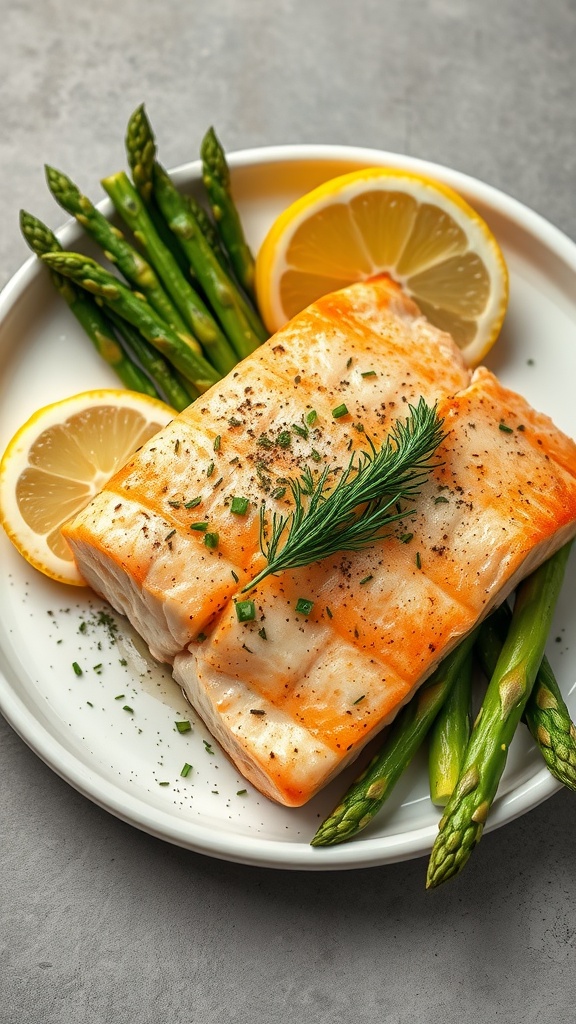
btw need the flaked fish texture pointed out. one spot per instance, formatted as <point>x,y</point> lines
<point>293,697</point>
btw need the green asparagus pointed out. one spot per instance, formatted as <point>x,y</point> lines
<point>94,322</point>
<point>141,153</point>
<point>131,208</point>
<point>216,177</point>
<point>367,794</point>
<point>221,291</point>
<point>461,826</point>
<point>91,276</point>
<point>546,714</point>
<point>179,394</point>
<point>449,737</point>
<point>117,250</point>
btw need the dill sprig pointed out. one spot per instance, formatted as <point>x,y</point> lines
<point>353,513</point>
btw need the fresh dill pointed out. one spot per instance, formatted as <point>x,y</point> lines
<point>352,514</point>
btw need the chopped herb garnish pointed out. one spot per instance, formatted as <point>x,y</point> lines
<point>265,442</point>
<point>183,726</point>
<point>505,428</point>
<point>301,431</point>
<point>239,506</point>
<point>441,500</point>
<point>89,703</point>
<point>97,668</point>
<point>316,455</point>
<point>339,411</point>
<point>186,769</point>
<point>218,482</point>
<point>174,504</point>
<point>304,606</point>
<point>217,441</point>
<point>245,611</point>
<point>234,575</point>
<point>311,417</point>
<point>284,439</point>
<point>262,633</point>
<point>126,707</point>
<point>418,560</point>
<point>169,535</point>
<point>200,638</point>
<point>82,627</point>
<point>359,427</point>
<point>123,662</point>
<point>200,527</point>
<point>192,503</point>
<point>234,422</point>
<point>349,363</point>
<point>257,711</point>
<point>369,373</point>
<point>211,540</point>
<point>210,469</point>
<point>278,492</point>
<point>329,613</point>
<point>360,698</point>
<point>77,668</point>
<point>163,783</point>
<point>207,747</point>
<point>241,792</point>
<point>176,445</point>
<point>120,696</point>
<point>366,580</point>
<point>406,538</point>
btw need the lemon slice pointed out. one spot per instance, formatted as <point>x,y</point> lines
<point>385,220</point>
<point>59,459</point>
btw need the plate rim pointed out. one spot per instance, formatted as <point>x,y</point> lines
<point>199,838</point>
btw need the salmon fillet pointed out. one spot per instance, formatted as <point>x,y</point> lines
<point>292,698</point>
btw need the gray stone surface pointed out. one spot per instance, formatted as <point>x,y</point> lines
<point>100,923</point>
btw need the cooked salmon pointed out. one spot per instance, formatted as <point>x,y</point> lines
<point>294,696</point>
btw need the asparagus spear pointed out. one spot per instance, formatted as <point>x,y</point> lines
<point>141,153</point>
<point>370,790</point>
<point>221,291</point>
<point>461,826</point>
<point>96,325</point>
<point>449,736</point>
<point>177,393</point>
<point>216,177</point>
<point>200,321</point>
<point>91,276</point>
<point>546,713</point>
<point>117,250</point>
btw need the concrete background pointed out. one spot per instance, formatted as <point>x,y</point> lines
<point>100,923</point>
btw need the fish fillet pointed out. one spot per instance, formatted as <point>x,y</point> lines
<point>292,698</point>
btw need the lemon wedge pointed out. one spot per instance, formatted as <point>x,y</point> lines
<point>385,220</point>
<point>59,459</point>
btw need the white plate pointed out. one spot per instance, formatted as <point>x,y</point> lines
<point>78,725</point>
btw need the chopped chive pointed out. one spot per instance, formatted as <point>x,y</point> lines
<point>262,633</point>
<point>349,363</point>
<point>339,411</point>
<point>169,535</point>
<point>278,492</point>
<point>218,482</point>
<point>366,580</point>
<point>265,442</point>
<point>122,662</point>
<point>284,439</point>
<point>239,506</point>
<point>186,769</point>
<point>217,441</point>
<point>311,417</point>
<point>245,611</point>
<point>368,373</point>
<point>211,540</point>
<point>441,500</point>
<point>315,455</point>
<point>163,783</point>
<point>97,668</point>
<point>183,726</point>
<point>176,445</point>
<point>359,427</point>
<point>359,699</point>
<point>418,560</point>
<point>192,503</point>
<point>120,696</point>
<point>406,538</point>
<point>301,431</point>
<point>76,668</point>
<point>200,527</point>
<point>304,606</point>
<point>505,428</point>
<point>328,612</point>
<point>234,422</point>
<point>257,711</point>
<point>234,575</point>
<point>241,792</point>
<point>174,504</point>
<point>210,469</point>
<point>82,627</point>
<point>89,703</point>
<point>126,707</point>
